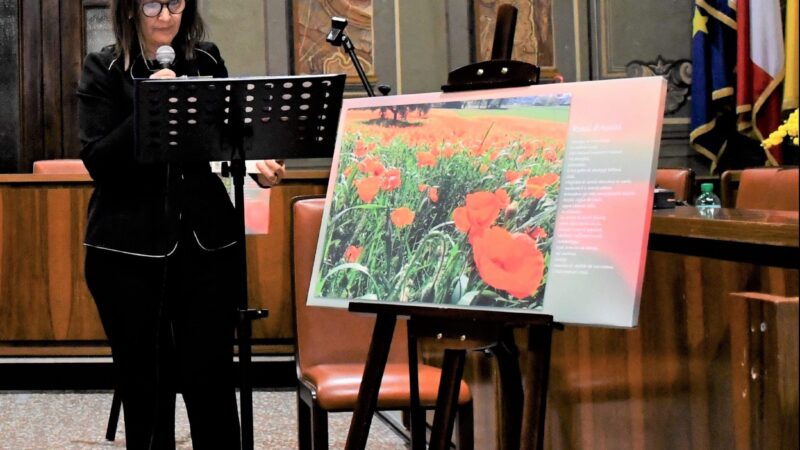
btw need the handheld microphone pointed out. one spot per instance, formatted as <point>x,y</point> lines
<point>165,55</point>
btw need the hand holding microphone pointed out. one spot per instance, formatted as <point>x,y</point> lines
<point>165,55</point>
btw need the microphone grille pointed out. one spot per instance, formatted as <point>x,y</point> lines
<point>165,55</point>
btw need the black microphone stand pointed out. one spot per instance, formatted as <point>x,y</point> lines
<point>338,38</point>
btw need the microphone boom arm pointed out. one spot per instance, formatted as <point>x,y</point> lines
<point>351,50</point>
<point>337,37</point>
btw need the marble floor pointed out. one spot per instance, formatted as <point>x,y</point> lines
<point>77,420</point>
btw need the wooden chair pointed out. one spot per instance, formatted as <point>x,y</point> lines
<point>764,370</point>
<point>332,346</point>
<point>773,188</point>
<point>60,167</point>
<point>678,180</point>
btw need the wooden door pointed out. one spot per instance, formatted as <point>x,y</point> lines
<point>53,39</point>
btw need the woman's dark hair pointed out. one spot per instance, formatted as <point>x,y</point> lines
<point>125,20</point>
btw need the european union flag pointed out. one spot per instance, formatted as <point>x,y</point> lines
<point>713,78</point>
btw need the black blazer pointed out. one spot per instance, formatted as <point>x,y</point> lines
<point>141,208</point>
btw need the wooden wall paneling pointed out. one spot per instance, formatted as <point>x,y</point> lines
<point>73,42</point>
<point>764,352</point>
<point>60,267</point>
<point>665,384</point>
<point>44,302</point>
<point>83,318</point>
<point>9,85</point>
<point>32,112</point>
<point>25,311</point>
<point>43,296</point>
<point>51,48</point>
<point>51,79</point>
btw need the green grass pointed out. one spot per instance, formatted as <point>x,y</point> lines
<point>550,113</point>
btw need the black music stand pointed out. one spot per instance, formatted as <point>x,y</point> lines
<point>234,119</point>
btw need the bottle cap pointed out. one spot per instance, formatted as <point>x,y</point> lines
<point>707,187</point>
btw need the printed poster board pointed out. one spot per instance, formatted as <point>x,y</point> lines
<point>532,200</point>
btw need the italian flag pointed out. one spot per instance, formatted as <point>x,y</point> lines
<point>760,69</point>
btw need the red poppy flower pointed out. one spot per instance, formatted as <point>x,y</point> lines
<point>502,198</point>
<point>352,253</point>
<point>528,150</point>
<point>513,175</point>
<point>538,233</point>
<point>367,188</point>
<point>535,186</point>
<point>510,262</point>
<point>361,149</point>
<point>433,194</point>
<point>425,159</point>
<point>402,217</point>
<point>391,180</point>
<point>371,166</point>
<point>478,213</point>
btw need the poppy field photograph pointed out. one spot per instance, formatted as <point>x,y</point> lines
<point>448,203</point>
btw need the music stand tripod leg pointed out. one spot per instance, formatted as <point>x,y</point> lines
<point>246,316</point>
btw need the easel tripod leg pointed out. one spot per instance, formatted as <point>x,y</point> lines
<point>511,393</point>
<point>417,414</point>
<point>371,382</point>
<point>539,343</point>
<point>447,401</point>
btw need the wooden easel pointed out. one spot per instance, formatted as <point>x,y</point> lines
<point>459,330</point>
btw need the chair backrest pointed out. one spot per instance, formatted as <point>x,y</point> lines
<point>766,188</point>
<point>729,187</point>
<point>327,335</point>
<point>679,180</point>
<point>60,167</point>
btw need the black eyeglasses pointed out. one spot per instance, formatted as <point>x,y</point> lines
<point>153,9</point>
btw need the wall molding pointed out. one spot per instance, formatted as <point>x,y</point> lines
<point>678,74</point>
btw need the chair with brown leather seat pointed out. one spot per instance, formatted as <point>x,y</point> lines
<point>773,188</point>
<point>60,167</point>
<point>332,346</point>
<point>677,180</point>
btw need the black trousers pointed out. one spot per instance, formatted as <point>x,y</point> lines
<point>170,322</point>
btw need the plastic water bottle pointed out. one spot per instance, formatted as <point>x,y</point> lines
<point>707,203</point>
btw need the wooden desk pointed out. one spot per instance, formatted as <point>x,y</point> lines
<point>745,235</point>
<point>667,383</point>
<point>45,307</point>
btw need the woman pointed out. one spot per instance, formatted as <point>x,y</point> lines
<point>160,258</point>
